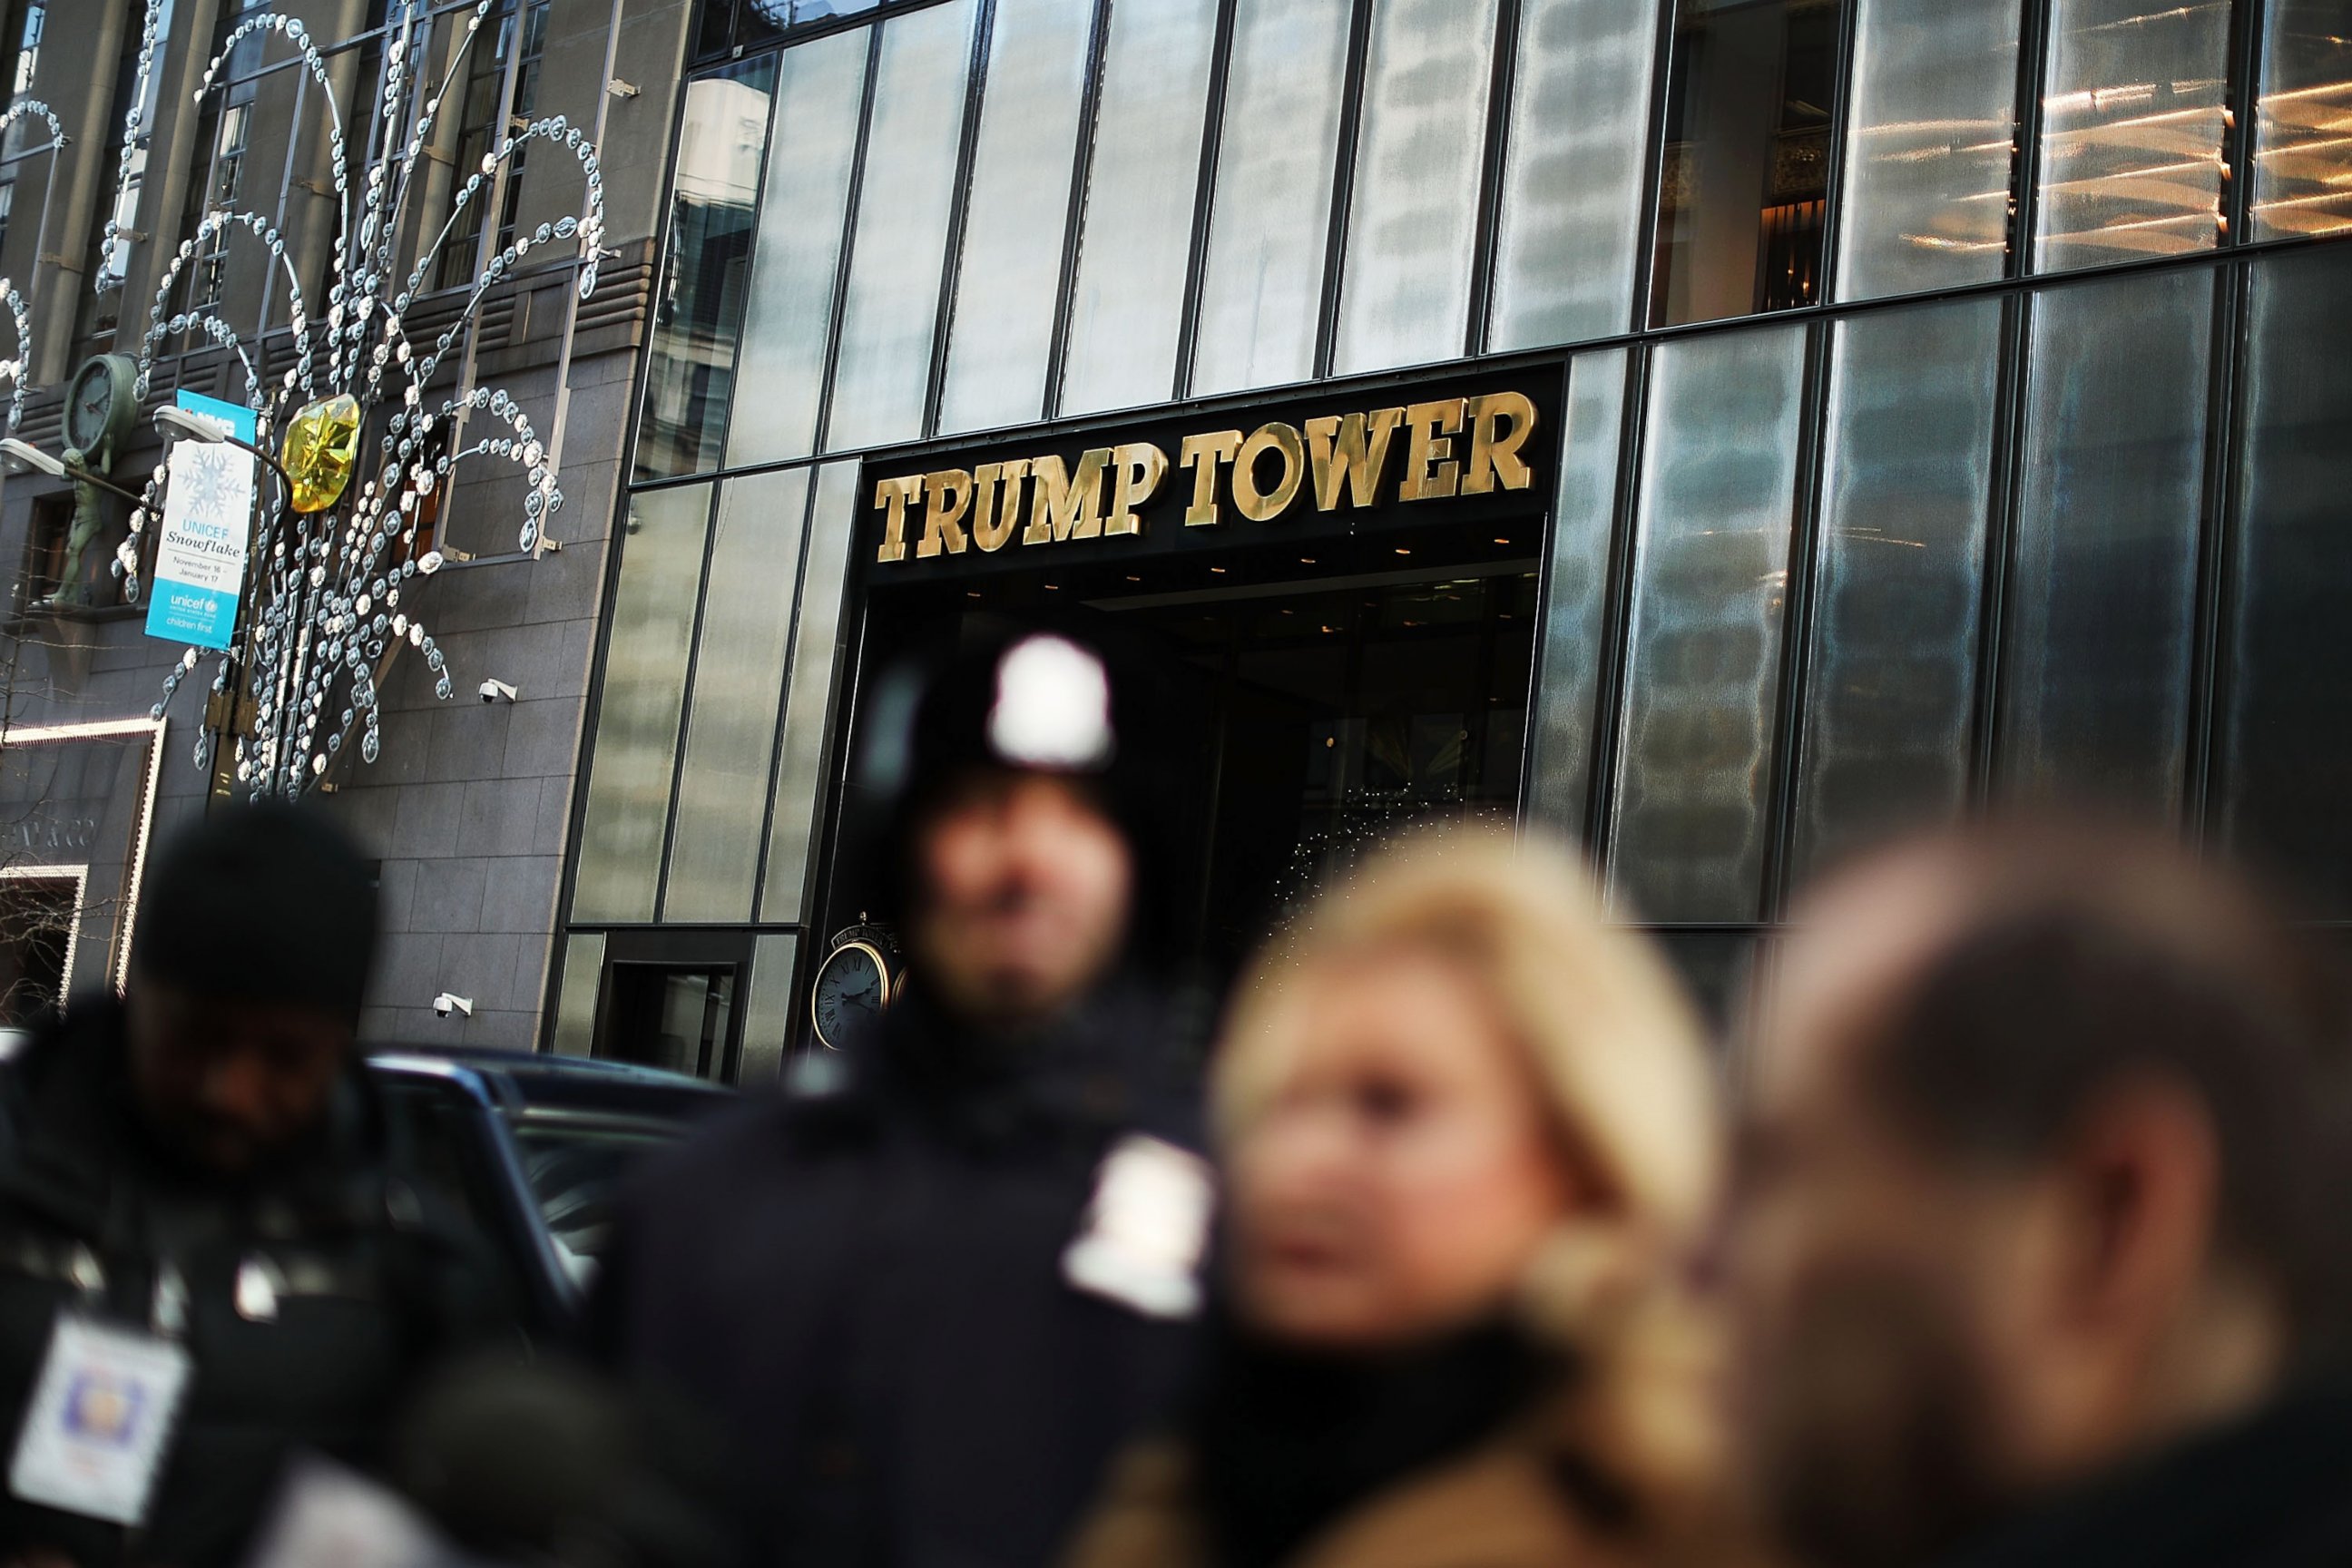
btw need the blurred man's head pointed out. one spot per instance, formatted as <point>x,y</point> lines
<point>2042,1133</point>
<point>1022,891</point>
<point>256,929</point>
<point>1016,877</point>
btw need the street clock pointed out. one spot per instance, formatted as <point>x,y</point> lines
<point>101,404</point>
<point>861,975</point>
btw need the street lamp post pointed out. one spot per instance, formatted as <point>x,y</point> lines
<point>175,422</point>
<point>24,457</point>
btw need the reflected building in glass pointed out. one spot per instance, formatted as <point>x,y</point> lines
<point>1722,430</point>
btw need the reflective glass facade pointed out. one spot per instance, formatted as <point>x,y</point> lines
<point>1944,404</point>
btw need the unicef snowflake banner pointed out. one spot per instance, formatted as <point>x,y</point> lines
<point>201,544</point>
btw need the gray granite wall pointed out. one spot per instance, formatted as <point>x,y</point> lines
<point>468,806</point>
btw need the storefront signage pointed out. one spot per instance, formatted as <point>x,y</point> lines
<point>200,546</point>
<point>1481,445</point>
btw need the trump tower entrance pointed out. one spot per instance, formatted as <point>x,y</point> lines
<point>1339,597</point>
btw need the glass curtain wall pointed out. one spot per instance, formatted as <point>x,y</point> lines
<point>2012,491</point>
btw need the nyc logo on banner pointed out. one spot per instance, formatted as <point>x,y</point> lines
<point>201,542</point>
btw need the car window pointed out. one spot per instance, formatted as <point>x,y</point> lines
<point>443,1135</point>
<point>576,1170</point>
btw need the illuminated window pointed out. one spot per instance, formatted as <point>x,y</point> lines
<point>1743,183</point>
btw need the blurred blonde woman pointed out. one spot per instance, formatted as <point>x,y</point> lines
<point>1469,1143</point>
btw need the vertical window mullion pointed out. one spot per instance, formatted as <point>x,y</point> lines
<point>1797,591</point>
<point>1617,614</point>
<point>1081,170</point>
<point>975,84</point>
<point>1212,132</point>
<point>2001,542</point>
<point>1661,87</point>
<point>2244,98</point>
<point>1500,87</point>
<point>1343,183</point>
<point>2224,448</point>
<point>2025,179</point>
<point>849,211</point>
<point>810,522</point>
<point>686,699</point>
<point>1833,187</point>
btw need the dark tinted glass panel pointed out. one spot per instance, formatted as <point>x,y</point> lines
<point>1711,557</point>
<point>698,315</point>
<point>898,251</point>
<point>1907,470</point>
<point>1010,266</point>
<point>2101,595</point>
<point>1127,303</point>
<point>1742,184</point>
<point>2288,757</point>
<point>2302,121</point>
<point>739,677</point>
<point>1559,764</point>
<point>1413,218</point>
<point>2133,112</point>
<point>1929,147</point>
<point>730,25</point>
<point>1568,239</point>
<point>1269,216</point>
<point>788,320</point>
<point>1717,968</point>
<point>648,636</point>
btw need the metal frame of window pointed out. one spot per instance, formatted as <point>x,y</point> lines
<point>2229,264</point>
<point>97,314</point>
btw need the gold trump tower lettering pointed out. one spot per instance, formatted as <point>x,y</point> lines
<point>1422,451</point>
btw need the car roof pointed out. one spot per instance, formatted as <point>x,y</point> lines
<point>528,1082</point>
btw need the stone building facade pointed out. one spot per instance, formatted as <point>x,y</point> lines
<point>467,809</point>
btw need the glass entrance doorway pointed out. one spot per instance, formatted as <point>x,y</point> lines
<point>1312,712</point>
<point>1335,717</point>
<point>675,1018</point>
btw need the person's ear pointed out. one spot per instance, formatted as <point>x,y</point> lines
<point>2139,1192</point>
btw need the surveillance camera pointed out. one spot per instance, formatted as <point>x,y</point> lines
<point>448,1002</point>
<point>494,690</point>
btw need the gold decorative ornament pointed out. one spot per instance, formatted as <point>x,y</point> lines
<point>322,445</point>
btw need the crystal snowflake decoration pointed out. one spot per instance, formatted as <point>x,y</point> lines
<point>317,634</point>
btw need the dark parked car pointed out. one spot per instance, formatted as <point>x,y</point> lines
<point>533,1148</point>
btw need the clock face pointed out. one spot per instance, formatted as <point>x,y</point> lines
<point>89,403</point>
<point>851,989</point>
<point>101,402</point>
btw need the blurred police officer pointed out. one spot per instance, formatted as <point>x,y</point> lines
<point>208,1257</point>
<point>2040,1248</point>
<point>927,1295</point>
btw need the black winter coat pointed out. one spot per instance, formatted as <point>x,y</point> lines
<point>862,1289</point>
<point>2273,1491</point>
<point>373,1284</point>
